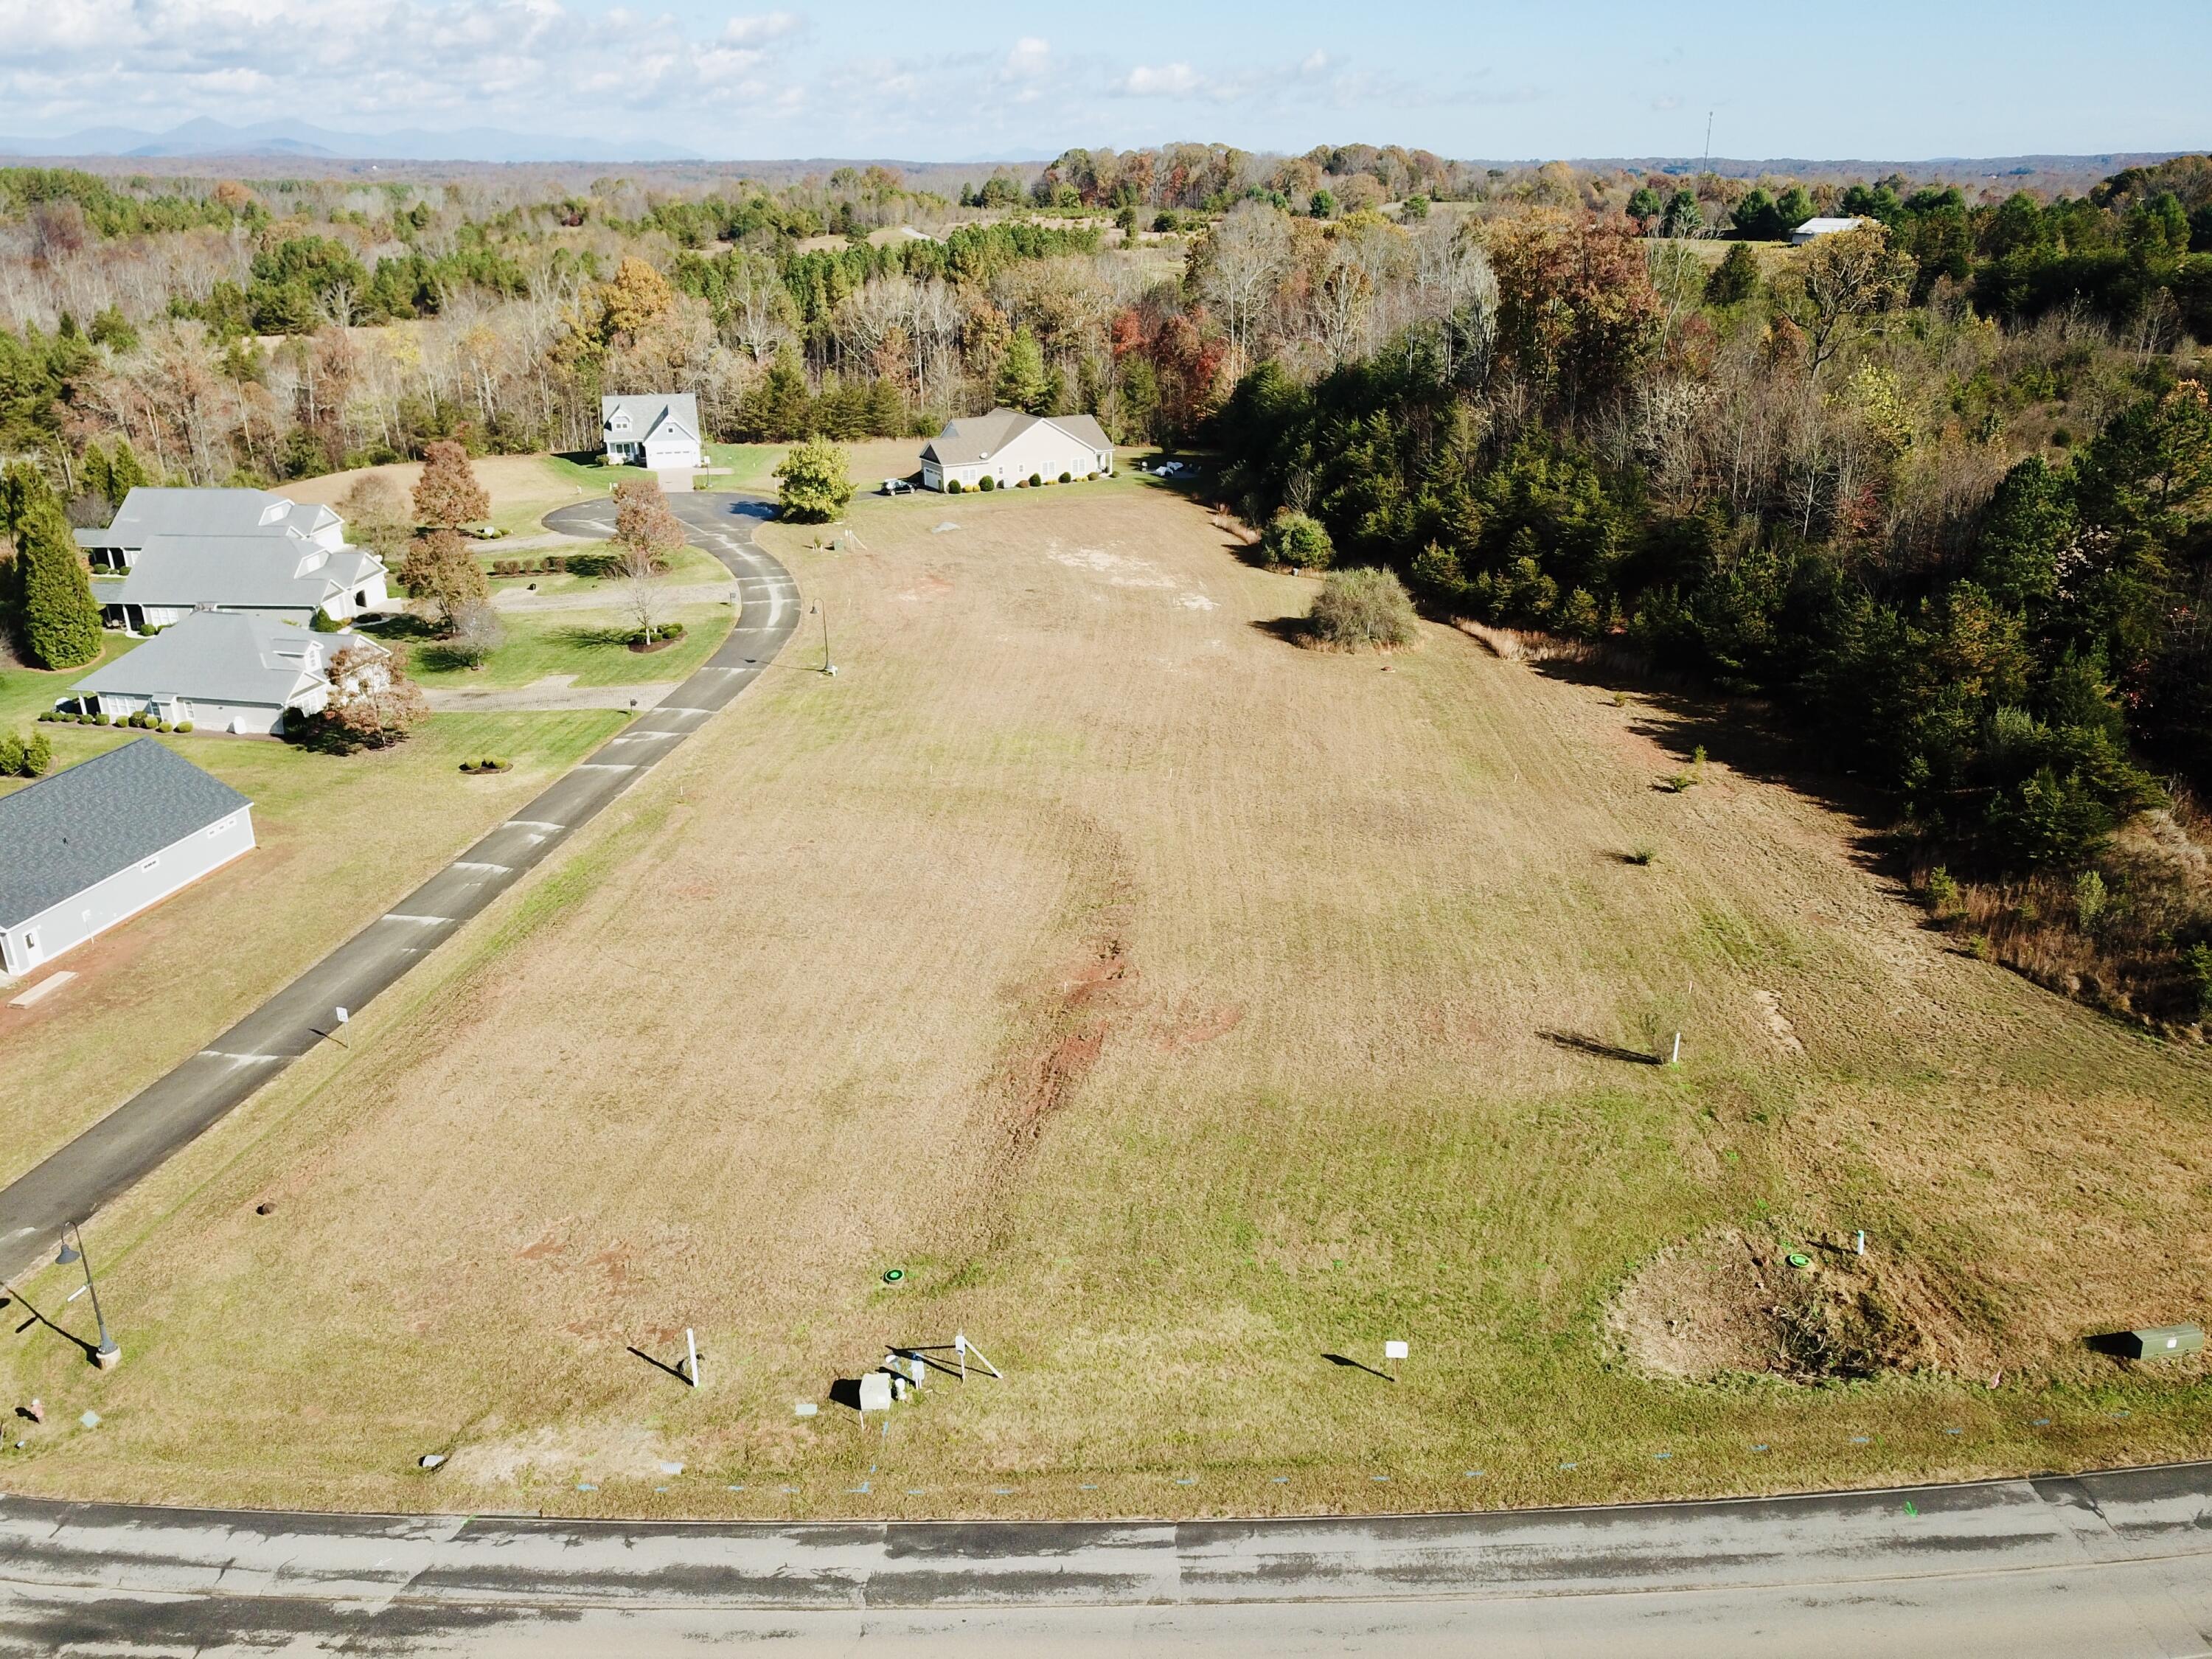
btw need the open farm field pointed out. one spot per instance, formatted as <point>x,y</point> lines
<point>339,839</point>
<point>1184,1014</point>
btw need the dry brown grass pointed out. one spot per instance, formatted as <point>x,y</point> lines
<point>1177,1008</point>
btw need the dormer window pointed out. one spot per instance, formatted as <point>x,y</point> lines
<point>620,423</point>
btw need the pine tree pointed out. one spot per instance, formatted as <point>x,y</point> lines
<point>1022,380</point>
<point>60,619</point>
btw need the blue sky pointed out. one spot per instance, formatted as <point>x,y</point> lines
<point>865,77</point>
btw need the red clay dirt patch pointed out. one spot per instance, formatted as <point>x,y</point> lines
<point>1203,1027</point>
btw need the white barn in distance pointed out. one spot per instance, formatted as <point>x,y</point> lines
<point>1008,446</point>
<point>658,430</point>
<point>94,845</point>
<point>1813,229</point>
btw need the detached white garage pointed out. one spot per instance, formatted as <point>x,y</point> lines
<point>92,846</point>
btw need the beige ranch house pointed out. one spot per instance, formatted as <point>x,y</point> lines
<point>1007,446</point>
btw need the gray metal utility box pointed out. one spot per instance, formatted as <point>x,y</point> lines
<point>2163,1342</point>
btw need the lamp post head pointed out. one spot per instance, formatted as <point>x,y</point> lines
<point>70,1256</point>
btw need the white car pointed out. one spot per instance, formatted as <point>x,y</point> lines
<point>897,487</point>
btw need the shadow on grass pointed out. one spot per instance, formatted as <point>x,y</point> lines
<point>1354,1364</point>
<point>675,1371</point>
<point>1751,739</point>
<point>1291,631</point>
<point>588,637</point>
<point>1579,1042</point>
<point>91,1350</point>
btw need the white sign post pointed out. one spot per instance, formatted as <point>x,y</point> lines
<point>1393,1352</point>
<point>960,1347</point>
<point>691,1345</point>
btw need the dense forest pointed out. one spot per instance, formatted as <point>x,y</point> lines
<point>1936,488</point>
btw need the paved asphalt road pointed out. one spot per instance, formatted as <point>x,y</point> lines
<point>135,1138</point>
<point>2117,1564</point>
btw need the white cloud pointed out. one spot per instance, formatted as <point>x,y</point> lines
<point>770,26</point>
<point>1163,81</point>
<point>737,85</point>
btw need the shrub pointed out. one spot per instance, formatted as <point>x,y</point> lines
<point>1035,481</point>
<point>324,622</point>
<point>48,714</point>
<point>184,726</point>
<point>557,562</point>
<point>162,726</point>
<point>952,486</point>
<point>987,483</point>
<point>1297,540</point>
<point>1943,895</point>
<point>2090,900</point>
<point>37,755</point>
<point>1642,853</point>
<point>1067,477</point>
<point>11,756</point>
<point>101,720</point>
<point>2198,961</point>
<point>1361,607</point>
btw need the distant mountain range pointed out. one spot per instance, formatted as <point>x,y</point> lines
<point>298,139</point>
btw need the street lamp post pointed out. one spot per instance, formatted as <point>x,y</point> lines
<point>828,667</point>
<point>107,1356</point>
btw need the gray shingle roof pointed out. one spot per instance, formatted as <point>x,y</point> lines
<point>146,514</point>
<point>648,411</point>
<point>66,832</point>
<point>219,656</point>
<point>981,437</point>
<point>243,573</point>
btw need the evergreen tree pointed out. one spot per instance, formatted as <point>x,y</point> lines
<point>60,619</point>
<point>1022,383</point>
<point>815,485</point>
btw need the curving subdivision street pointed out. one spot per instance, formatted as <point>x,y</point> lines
<point>133,1140</point>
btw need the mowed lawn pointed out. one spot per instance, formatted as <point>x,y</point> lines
<point>339,840</point>
<point>1184,1014</point>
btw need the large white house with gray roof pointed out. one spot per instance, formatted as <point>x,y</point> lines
<point>247,551</point>
<point>658,430</point>
<point>92,846</point>
<point>1007,446</point>
<point>222,671</point>
<point>148,514</point>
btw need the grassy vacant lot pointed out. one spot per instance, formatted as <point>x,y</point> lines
<point>339,840</point>
<point>1177,1008</point>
